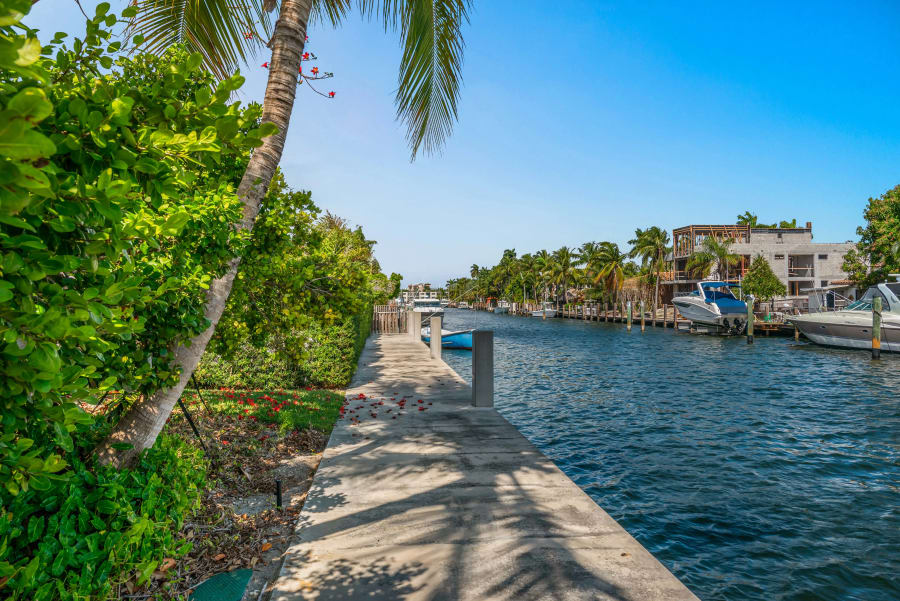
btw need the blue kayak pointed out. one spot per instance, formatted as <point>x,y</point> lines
<point>455,340</point>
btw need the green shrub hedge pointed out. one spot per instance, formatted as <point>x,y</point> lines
<point>328,360</point>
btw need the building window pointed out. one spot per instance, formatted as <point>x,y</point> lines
<point>823,257</point>
<point>779,257</point>
<point>824,283</point>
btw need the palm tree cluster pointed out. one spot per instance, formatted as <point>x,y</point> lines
<point>594,271</point>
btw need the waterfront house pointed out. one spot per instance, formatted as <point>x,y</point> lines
<point>801,264</point>
<point>419,292</point>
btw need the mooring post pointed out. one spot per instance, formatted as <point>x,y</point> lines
<point>483,368</point>
<point>750,318</point>
<point>655,308</point>
<point>435,337</point>
<point>876,327</point>
<point>796,334</point>
<point>415,329</point>
<point>643,317</point>
<point>630,316</point>
<point>665,316</point>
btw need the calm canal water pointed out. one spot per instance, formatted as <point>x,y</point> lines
<point>763,472</point>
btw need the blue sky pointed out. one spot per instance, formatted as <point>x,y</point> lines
<point>582,120</point>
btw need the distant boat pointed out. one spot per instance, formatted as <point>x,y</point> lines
<point>546,310</point>
<point>502,307</point>
<point>463,305</point>
<point>461,339</point>
<point>428,307</point>
<point>713,304</point>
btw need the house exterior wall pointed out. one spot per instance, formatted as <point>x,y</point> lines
<point>799,263</point>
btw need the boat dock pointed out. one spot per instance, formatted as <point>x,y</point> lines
<point>666,317</point>
<point>422,496</point>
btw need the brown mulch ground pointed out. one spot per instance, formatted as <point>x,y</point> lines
<point>243,456</point>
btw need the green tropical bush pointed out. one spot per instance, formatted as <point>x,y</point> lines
<point>117,195</point>
<point>83,536</point>
<point>117,177</point>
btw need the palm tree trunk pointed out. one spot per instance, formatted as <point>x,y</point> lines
<point>656,292</point>
<point>146,418</point>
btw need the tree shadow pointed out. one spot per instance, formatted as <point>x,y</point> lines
<point>478,513</point>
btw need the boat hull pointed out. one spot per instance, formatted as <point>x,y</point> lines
<point>501,310</point>
<point>451,340</point>
<point>709,314</point>
<point>544,313</point>
<point>854,331</point>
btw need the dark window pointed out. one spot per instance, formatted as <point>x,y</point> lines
<point>824,283</point>
<point>823,257</point>
<point>779,257</point>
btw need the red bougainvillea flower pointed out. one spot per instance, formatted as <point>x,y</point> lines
<point>224,442</point>
<point>315,70</point>
<point>306,56</point>
<point>331,94</point>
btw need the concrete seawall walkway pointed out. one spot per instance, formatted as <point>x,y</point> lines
<point>451,502</point>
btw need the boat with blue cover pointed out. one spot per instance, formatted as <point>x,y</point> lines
<point>460,339</point>
<point>714,304</point>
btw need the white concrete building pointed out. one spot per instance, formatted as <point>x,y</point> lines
<point>799,263</point>
<point>418,291</point>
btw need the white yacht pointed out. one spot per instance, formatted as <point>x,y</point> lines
<point>547,310</point>
<point>462,305</point>
<point>852,327</point>
<point>428,307</point>
<point>502,307</point>
<point>713,304</point>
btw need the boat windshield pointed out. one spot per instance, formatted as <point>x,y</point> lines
<point>865,303</point>
<point>715,295</point>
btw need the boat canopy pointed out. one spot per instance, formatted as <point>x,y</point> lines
<point>719,285</point>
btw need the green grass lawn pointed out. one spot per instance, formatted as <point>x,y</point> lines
<point>288,409</point>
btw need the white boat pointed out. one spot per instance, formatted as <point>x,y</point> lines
<point>852,327</point>
<point>547,310</point>
<point>445,303</point>
<point>463,305</point>
<point>713,304</point>
<point>502,307</point>
<point>428,307</point>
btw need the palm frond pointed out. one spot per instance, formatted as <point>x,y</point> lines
<point>226,32</point>
<point>431,66</point>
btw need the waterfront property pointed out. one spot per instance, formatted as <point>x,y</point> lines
<point>763,472</point>
<point>421,496</point>
<point>799,263</point>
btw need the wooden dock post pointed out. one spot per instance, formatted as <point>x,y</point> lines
<point>655,309</point>
<point>876,327</point>
<point>629,317</point>
<point>750,318</point>
<point>483,368</point>
<point>643,317</point>
<point>606,312</point>
<point>796,334</point>
<point>665,316</point>
<point>435,337</point>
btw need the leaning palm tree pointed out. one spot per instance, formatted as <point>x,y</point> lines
<point>426,100</point>
<point>652,246</point>
<point>713,257</point>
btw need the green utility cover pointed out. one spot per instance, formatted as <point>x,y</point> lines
<point>227,586</point>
